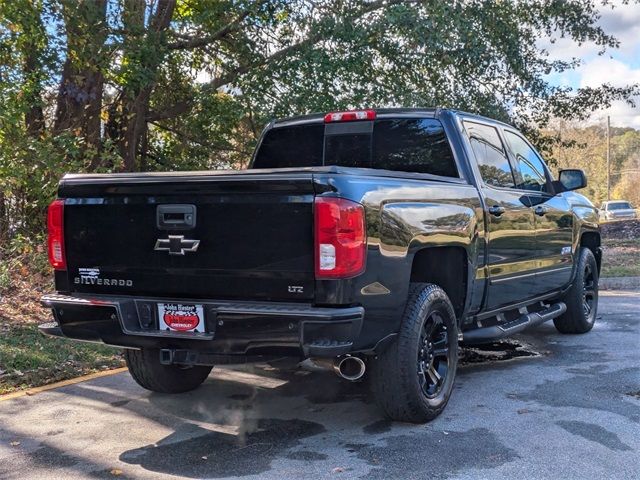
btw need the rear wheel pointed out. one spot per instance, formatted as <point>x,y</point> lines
<point>145,368</point>
<point>582,298</point>
<point>413,378</point>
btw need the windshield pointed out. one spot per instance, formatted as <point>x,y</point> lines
<point>409,144</point>
<point>619,206</point>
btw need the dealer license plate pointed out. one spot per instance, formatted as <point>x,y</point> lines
<point>178,317</point>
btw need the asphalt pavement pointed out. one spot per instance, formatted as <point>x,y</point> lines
<point>544,406</point>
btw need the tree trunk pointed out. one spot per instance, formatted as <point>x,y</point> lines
<point>31,51</point>
<point>79,101</point>
<point>135,106</point>
<point>134,128</point>
<point>4,222</point>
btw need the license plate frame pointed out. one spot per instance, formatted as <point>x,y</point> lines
<point>181,317</point>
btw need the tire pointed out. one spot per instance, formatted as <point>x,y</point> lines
<point>581,298</point>
<point>403,379</point>
<point>145,368</point>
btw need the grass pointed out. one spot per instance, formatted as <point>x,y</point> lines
<point>28,358</point>
<point>621,258</point>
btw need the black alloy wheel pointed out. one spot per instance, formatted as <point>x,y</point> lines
<point>433,356</point>
<point>588,291</point>
<point>581,298</point>
<point>412,378</point>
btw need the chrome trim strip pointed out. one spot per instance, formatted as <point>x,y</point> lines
<point>530,274</point>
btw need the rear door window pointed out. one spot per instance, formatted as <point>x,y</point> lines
<point>490,154</point>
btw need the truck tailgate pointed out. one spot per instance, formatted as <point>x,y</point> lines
<point>253,235</point>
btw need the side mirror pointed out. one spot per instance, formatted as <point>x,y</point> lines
<point>572,179</point>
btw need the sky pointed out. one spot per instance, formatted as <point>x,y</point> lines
<point>618,67</point>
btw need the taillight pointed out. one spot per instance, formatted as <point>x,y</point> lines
<point>340,238</point>
<point>350,116</point>
<point>55,229</point>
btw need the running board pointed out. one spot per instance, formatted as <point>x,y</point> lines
<point>496,332</point>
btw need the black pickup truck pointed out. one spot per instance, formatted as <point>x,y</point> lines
<point>369,240</point>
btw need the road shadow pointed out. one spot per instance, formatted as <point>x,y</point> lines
<point>241,419</point>
<point>245,418</point>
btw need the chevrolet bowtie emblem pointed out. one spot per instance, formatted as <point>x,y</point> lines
<point>176,245</point>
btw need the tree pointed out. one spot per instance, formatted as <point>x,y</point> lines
<point>80,93</point>
<point>109,85</point>
<point>585,148</point>
<point>626,166</point>
<point>283,57</point>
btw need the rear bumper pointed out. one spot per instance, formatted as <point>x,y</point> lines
<point>232,328</point>
<point>625,216</point>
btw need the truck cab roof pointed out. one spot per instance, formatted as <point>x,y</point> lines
<point>427,112</point>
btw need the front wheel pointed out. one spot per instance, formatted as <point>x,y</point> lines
<point>413,378</point>
<point>582,297</point>
<point>145,368</point>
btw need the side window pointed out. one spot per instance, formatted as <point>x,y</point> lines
<point>490,155</point>
<point>529,167</point>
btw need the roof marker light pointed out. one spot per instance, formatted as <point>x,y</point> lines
<point>350,116</point>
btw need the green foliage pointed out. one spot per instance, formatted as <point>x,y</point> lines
<point>112,85</point>
<point>23,254</point>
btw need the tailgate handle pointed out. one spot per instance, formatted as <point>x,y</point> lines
<point>176,217</point>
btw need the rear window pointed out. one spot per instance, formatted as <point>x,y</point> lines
<point>298,146</point>
<point>619,206</point>
<point>410,145</point>
<point>413,145</point>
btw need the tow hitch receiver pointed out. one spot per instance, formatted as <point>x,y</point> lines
<point>183,357</point>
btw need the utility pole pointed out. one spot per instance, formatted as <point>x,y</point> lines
<point>608,158</point>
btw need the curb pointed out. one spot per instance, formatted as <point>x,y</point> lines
<point>52,386</point>
<point>619,283</point>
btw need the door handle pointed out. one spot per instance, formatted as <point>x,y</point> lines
<point>496,210</point>
<point>540,210</point>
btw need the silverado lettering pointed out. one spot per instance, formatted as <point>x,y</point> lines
<point>365,242</point>
<point>102,281</point>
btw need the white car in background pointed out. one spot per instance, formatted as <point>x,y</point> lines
<point>617,210</point>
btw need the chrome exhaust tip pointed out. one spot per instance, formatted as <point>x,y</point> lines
<point>350,368</point>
